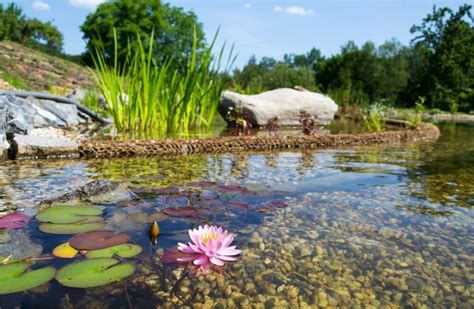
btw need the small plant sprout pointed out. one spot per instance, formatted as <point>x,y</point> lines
<point>272,126</point>
<point>415,119</point>
<point>308,123</point>
<point>240,121</point>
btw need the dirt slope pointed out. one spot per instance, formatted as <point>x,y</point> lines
<point>25,68</point>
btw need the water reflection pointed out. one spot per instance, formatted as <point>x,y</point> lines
<point>368,226</point>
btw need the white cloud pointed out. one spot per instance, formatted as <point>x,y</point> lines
<point>247,5</point>
<point>40,5</point>
<point>294,10</point>
<point>90,4</point>
<point>297,10</point>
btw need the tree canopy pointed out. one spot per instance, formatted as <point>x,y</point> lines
<point>444,64</point>
<point>16,27</point>
<point>173,29</point>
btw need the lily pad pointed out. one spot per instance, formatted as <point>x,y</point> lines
<point>13,221</point>
<point>15,277</point>
<point>63,214</point>
<point>124,251</point>
<point>65,251</point>
<point>98,240</point>
<point>74,228</point>
<point>93,273</point>
<point>170,256</point>
<point>181,211</point>
<point>142,217</point>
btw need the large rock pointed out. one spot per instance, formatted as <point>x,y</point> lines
<point>284,103</point>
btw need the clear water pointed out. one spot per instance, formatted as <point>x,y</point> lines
<point>368,226</point>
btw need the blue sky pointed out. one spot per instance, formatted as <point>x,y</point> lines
<point>267,27</point>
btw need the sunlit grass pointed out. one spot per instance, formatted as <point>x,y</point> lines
<point>146,98</point>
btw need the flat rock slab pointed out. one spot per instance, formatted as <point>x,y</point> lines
<point>284,103</point>
<point>45,147</point>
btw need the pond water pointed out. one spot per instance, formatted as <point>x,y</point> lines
<point>364,226</point>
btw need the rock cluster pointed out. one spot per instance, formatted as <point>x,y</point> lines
<point>36,124</point>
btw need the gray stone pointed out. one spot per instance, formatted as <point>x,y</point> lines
<point>56,114</point>
<point>20,246</point>
<point>19,114</point>
<point>77,94</point>
<point>40,146</point>
<point>284,103</point>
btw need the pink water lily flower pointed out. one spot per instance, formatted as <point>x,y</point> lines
<point>210,246</point>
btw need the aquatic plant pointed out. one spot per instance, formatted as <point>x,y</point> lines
<point>211,245</point>
<point>374,117</point>
<point>307,122</point>
<point>415,119</point>
<point>65,251</point>
<point>63,214</point>
<point>123,251</point>
<point>13,221</point>
<point>154,232</point>
<point>273,124</point>
<point>72,228</point>
<point>93,273</point>
<point>98,240</point>
<point>240,121</point>
<point>144,97</point>
<point>15,277</point>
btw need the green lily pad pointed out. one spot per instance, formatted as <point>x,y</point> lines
<point>63,214</point>
<point>73,228</point>
<point>124,251</point>
<point>15,277</point>
<point>93,273</point>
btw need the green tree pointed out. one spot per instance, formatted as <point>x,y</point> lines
<point>14,26</point>
<point>443,62</point>
<point>173,29</point>
<point>270,74</point>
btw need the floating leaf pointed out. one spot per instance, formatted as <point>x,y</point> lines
<point>65,251</point>
<point>13,221</point>
<point>238,205</point>
<point>63,214</point>
<point>202,184</point>
<point>153,233</point>
<point>170,257</point>
<point>142,217</point>
<point>167,190</point>
<point>213,202</point>
<point>74,228</point>
<point>98,240</point>
<point>181,211</point>
<point>15,277</point>
<point>124,251</point>
<point>93,273</point>
<point>127,203</point>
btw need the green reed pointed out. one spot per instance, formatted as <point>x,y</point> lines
<point>374,117</point>
<point>146,98</point>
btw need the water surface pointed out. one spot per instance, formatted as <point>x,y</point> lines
<point>370,226</point>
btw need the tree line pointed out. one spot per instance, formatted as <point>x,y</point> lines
<point>436,68</point>
<point>31,32</point>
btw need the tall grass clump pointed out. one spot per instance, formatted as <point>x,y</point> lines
<point>416,117</point>
<point>374,117</point>
<point>148,99</point>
